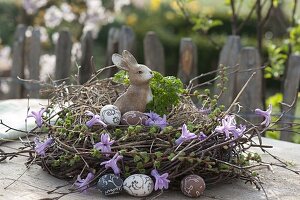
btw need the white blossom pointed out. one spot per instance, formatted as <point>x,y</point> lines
<point>55,37</point>
<point>53,17</point>
<point>5,59</point>
<point>44,34</point>
<point>32,6</point>
<point>76,52</point>
<point>68,15</point>
<point>47,65</point>
<point>118,4</point>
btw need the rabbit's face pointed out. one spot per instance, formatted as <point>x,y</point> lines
<point>140,74</point>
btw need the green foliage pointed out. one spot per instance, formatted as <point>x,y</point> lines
<point>121,77</point>
<point>204,24</point>
<point>275,100</point>
<point>277,58</point>
<point>294,38</point>
<point>166,91</point>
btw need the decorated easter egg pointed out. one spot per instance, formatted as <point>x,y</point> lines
<point>110,184</point>
<point>192,185</point>
<point>133,118</point>
<point>138,185</point>
<point>110,115</point>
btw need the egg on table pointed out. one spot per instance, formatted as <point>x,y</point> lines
<point>138,185</point>
<point>133,118</point>
<point>110,184</point>
<point>110,115</point>
<point>192,185</point>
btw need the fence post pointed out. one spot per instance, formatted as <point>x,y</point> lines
<point>18,62</point>
<point>33,50</point>
<point>187,60</point>
<point>127,40</point>
<point>290,94</point>
<point>63,56</point>
<point>251,97</point>
<point>112,47</point>
<point>229,58</point>
<point>86,69</point>
<point>154,53</point>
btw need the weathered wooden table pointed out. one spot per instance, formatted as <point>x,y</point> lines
<point>35,183</point>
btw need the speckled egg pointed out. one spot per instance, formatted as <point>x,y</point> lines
<point>133,118</point>
<point>138,185</point>
<point>110,115</point>
<point>192,185</point>
<point>110,184</point>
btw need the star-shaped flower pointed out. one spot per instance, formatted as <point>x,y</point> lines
<point>83,184</point>
<point>104,144</point>
<point>41,147</point>
<point>202,136</point>
<point>186,135</point>
<point>156,120</point>
<point>239,131</point>
<point>112,163</point>
<point>228,125</point>
<point>266,114</point>
<point>96,119</point>
<point>161,181</point>
<point>38,116</point>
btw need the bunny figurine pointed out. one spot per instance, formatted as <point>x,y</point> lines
<point>139,92</point>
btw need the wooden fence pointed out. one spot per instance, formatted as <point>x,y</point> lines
<point>243,61</point>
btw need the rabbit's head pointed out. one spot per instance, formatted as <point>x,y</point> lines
<point>138,74</point>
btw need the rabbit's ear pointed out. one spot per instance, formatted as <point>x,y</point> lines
<point>120,62</point>
<point>129,58</point>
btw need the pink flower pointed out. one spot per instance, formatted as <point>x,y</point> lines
<point>186,135</point>
<point>156,120</point>
<point>41,147</point>
<point>95,120</point>
<point>228,125</point>
<point>83,184</point>
<point>161,181</point>
<point>38,116</point>
<point>104,144</point>
<point>112,163</point>
<point>266,114</point>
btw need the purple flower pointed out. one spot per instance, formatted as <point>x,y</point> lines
<point>239,131</point>
<point>40,147</point>
<point>104,144</point>
<point>228,125</point>
<point>38,116</point>
<point>156,120</point>
<point>112,163</point>
<point>202,136</point>
<point>204,111</point>
<point>186,135</point>
<point>83,184</point>
<point>266,114</point>
<point>161,181</point>
<point>95,120</point>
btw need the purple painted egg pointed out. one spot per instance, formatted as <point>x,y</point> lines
<point>134,118</point>
<point>192,185</point>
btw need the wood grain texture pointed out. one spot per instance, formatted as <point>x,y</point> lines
<point>187,60</point>
<point>112,47</point>
<point>18,62</point>
<point>290,95</point>
<point>154,53</point>
<point>251,97</point>
<point>63,55</point>
<point>86,69</point>
<point>33,52</point>
<point>229,57</point>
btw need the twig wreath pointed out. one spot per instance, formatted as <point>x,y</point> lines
<point>176,143</point>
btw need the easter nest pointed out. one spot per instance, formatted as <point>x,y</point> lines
<point>214,157</point>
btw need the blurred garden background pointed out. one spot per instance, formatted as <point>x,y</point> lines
<point>272,26</point>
